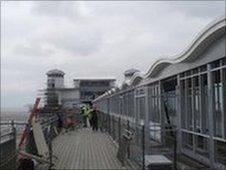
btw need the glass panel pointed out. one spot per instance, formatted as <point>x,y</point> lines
<point>187,140</point>
<point>196,98</point>
<point>224,61</point>
<point>189,104</point>
<point>220,150</point>
<point>169,93</point>
<point>202,144</point>
<point>195,70</point>
<point>154,103</point>
<point>218,104</point>
<point>142,107</point>
<point>203,68</point>
<point>204,104</point>
<point>215,64</point>
<point>183,106</point>
<point>182,74</point>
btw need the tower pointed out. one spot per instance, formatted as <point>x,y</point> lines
<point>55,79</point>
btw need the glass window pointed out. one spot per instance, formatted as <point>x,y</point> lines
<point>140,101</point>
<point>154,103</point>
<point>204,104</point>
<point>202,144</point>
<point>220,150</point>
<point>218,103</point>
<point>215,64</point>
<point>195,70</point>
<point>196,98</point>
<point>183,104</point>
<point>188,73</point>
<point>203,68</point>
<point>189,96</point>
<point>187,140</point>
<point>224,61</point>
<point>182,74</point>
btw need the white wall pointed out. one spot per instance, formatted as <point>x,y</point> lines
<point>68,97</point>
<point>58,81</point>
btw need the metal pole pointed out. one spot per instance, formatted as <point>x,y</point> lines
<point>210,116</point>
<point>143,147</point>
<point>119,130</point>
<point>50,147</point>
<point>128,147</point>
<point>175,151</point>
<point>14,144</point>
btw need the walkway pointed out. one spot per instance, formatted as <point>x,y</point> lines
<point>85,149</point>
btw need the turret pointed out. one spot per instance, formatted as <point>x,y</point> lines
<point>55,79</point>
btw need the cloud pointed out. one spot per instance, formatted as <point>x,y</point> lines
<point>94,38</point>
<point>79,41</point>
<point>198,8</point>
<point>61,9</point>
<point>32,50</point>
<point>54,9</point>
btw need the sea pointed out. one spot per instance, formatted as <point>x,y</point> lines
<point>7,115</point>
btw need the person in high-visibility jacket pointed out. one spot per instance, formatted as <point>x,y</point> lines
<point>88,113</point>
<point>83,113</point>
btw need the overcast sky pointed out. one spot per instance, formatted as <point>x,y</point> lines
<point>86,39</point>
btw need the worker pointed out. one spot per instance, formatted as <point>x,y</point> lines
<point>59,122</point>
<point>88,114</point>
<point>82,111</point>
<point>90,111</point>
<point>95,119</point>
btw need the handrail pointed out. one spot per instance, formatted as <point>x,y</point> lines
<point>6,134</point>
<point>10,123</point>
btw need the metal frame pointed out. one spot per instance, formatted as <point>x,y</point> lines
<point>179,107</point>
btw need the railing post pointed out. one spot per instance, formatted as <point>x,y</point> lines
<point>13,131</point>
<point>128,147</point>
<point>50,147</point>
<point>14,142</point>
<point>175,151</point>
<point>119,130</point>
<point>143,147</point>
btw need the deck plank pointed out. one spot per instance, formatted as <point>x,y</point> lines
<point>85,149</point>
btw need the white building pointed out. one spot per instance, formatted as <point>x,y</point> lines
<point>84,90</point>
<point>68,97</point>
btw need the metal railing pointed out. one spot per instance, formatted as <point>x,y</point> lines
<point>8,149</point>
<point>132,137</point>
<point>10,136</point>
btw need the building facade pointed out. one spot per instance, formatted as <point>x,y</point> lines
<point>84,90</point>
<point>191,88</point>
<point>57,93</point>
<point>91,88</point>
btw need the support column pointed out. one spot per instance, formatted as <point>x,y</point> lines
<point>146,121</point>
<point>223,79</point>
<point>178,104</point>
<point>162,112</point>
<point>210,112</point>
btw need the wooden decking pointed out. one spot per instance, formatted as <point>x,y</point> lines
<point>85,149</point>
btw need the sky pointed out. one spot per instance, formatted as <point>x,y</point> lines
<point>91,39</point>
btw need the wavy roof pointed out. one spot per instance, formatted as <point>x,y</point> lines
<point>211,32</point>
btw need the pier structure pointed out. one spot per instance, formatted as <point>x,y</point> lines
<point>172,117</point>
<point>183,97</point>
